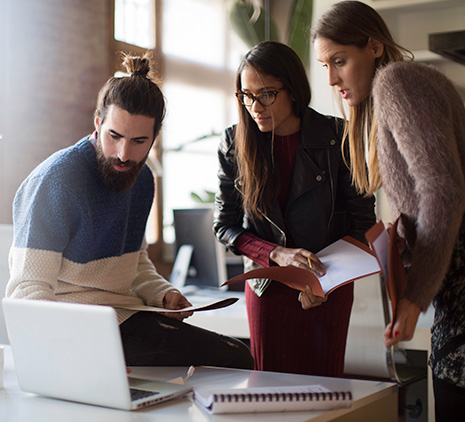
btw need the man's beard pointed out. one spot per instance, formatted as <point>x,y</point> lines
<point>117,181</point>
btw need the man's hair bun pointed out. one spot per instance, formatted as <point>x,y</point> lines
<point>136,66</point>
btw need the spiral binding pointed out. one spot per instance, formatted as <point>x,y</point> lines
<point>284,397</point>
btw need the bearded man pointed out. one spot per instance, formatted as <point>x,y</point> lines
<point>79,223</point>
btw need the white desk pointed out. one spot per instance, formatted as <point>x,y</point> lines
<point>231,321</point>
<point>373,401</point>
<point>365,353</point>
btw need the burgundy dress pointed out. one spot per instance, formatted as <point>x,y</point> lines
<point>283,336</point>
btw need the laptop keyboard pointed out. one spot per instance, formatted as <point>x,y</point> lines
<point>140,394</point>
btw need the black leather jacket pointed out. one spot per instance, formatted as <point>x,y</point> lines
<point>323,206</point>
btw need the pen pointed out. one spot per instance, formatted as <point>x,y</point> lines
<point>309,262</point>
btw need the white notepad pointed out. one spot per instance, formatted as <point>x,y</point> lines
<point>271,399</point>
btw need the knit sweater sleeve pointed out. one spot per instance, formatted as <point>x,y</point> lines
<point>148,285</point>
<point>77,241</point>
<point>42,229</point>
<point>418,149</point>
<point>255,248</point>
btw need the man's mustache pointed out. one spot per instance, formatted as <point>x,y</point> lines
<point>118,162</point>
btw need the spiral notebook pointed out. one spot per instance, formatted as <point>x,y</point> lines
<point>271,399</point>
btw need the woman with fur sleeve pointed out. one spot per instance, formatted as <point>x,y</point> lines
<point>284,194</point>
<point>415,120</point>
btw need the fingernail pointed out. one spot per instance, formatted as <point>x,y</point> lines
<point>396,334</point>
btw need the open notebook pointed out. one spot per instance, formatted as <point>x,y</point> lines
<point>384,244</point>
<point>346,260</point>
<point>74,352</point>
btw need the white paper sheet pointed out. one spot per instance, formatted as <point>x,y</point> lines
<point>345,261</point>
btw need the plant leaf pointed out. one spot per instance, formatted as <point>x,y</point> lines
<point>250,32</point>
<point>298,34</point>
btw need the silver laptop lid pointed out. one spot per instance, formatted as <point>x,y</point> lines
<point>68,351</point>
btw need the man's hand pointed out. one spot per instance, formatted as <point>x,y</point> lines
<point>175,300</point>
<point>403,327</point>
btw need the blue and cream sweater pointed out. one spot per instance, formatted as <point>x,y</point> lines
<point>77,241</point>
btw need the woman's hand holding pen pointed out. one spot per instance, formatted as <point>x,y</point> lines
<point>306,260</point>
<point>297,258</point>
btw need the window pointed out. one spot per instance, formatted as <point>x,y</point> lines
<point>135,22</point>
<point>201,55</point>
<point>194,30</point>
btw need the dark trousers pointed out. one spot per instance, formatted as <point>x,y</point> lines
<point>449,401</point>
<point>151,339</point>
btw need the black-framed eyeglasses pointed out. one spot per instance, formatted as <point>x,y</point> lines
<point>266,98</point>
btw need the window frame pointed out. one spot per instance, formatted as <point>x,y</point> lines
<point>221,78</point>
<point>155,222</point>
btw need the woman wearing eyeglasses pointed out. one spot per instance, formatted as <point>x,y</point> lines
<point>284,194</point>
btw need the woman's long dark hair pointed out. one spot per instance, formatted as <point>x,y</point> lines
<point>254,149</point>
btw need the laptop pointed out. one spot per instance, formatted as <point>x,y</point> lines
<point>74,352</point>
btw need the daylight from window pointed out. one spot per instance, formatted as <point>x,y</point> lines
<point>135,22</point>
<point>201,56</point>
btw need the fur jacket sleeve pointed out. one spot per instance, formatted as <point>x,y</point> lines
<point>421,154</point>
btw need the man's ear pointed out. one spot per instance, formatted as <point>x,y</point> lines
<point>96,120</point>
<point>377,47</point>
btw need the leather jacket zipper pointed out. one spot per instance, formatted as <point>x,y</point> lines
<point>283,235</point>
<point>332,191</point>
